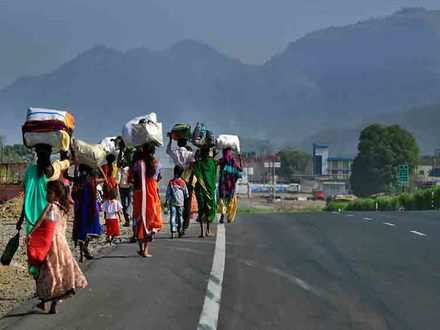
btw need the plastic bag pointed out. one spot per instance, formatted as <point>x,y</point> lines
<point>109,145</point>
<point>141,130</point>
<point>228,141</point>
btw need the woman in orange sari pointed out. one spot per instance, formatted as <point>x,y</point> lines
<point>147,210</point>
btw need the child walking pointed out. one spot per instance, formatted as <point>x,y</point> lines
<point>52,264</point>
<point>177,194</point>
<point>112,208</point>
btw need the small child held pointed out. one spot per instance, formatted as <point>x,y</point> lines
<point>112,208</point>
<point>177,193</point>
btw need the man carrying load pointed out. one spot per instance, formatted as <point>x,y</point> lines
<point>184,157</point>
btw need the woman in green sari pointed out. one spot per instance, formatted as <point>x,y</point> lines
<point>205,170</point>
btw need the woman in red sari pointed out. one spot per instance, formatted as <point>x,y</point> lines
<point>147,210</point>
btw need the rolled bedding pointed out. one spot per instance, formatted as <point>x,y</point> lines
<point>42,114</point>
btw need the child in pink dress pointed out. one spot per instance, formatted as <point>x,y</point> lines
<point>58,274</point>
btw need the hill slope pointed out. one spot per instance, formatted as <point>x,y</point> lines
<point>331,78</point>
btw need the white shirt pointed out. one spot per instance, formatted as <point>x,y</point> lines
<point>111,209</point>
<point>181,156</point>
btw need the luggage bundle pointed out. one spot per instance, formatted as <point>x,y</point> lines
<point>109,145</point>
<point>141,130</point>
<point>181,132</point>
<point>203,137</point>
<point>48,126</point>
<point>228,141</point>
<point>92,155</point>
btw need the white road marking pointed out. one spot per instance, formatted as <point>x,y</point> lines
<point>349,215</point>
<point>368,219</point>
<point>389,224</point>
<point>211,306</point>
<point>418,233</point>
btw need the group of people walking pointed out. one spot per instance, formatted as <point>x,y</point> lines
<point>202,183</point>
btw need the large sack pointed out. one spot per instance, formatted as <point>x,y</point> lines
<point>141,130</point>
<point>109,145</point>
<point>41,114</point>
<point>58,140</point>
<point>181,131</point>
<point>92,155</point>
<point>228,141</point>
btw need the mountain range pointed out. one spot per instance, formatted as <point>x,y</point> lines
<point>322,86</point>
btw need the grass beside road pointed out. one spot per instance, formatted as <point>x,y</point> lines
<point>426,199</point>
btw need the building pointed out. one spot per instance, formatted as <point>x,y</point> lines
<point>333,188</point>
<point>339,168</point>
<point>320,160</point>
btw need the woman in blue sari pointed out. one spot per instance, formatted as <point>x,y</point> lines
<point>86,222</point>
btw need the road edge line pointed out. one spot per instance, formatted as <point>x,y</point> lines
<point>211,306</point>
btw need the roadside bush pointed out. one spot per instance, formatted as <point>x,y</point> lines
<point>388,203</point>
<point>407,201</point>
<point>363,204</point>
<point>336,206</point>
<point>421,200</point>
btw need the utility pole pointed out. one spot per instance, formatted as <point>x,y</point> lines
<point>272,166</point>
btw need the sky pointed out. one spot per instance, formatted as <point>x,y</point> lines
<point>38,36</point>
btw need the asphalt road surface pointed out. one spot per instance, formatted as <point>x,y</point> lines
<point>294,271</point>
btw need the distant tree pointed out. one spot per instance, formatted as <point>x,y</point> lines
<point>14,153</point>
<point>294,162</point>
<point>380,152</point>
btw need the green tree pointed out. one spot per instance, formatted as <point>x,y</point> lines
<point>380,152</point>
<point>294,162</point>
<point>14,153</point>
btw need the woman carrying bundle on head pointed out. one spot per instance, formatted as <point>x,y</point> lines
<point>230,172</point>
<point>35,184</point>
<point>205,170</point>
<point>147,210</point>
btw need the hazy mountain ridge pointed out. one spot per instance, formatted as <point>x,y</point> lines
<point>331,78</point>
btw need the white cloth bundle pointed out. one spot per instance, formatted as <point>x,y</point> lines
<point>228,141</point>
<point>109,145</point>
<point>141,130</point>
<point>58,140</point>
<point>92,155</point>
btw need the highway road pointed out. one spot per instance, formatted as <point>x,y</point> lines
<point>284,271</point>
